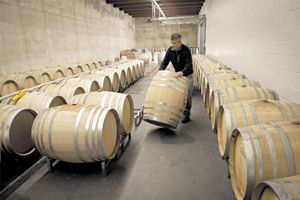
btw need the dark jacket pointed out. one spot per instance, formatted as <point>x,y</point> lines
<point>181,60</point>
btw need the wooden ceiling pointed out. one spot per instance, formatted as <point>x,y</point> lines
<point>171,8</point>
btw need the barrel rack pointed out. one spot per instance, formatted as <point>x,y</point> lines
<point>20,178</point>
<point>105,165</point>
<point>24,169</point>
<point>139,114</point>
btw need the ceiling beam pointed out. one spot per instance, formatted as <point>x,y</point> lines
<point>126,1</point>
<point>137,5</point>
<point>149,1</point>
<point>143,8</point>
<point>179,2</point>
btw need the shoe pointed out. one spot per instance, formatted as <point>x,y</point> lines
<point>186,119</point>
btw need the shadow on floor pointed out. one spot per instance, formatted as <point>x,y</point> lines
<point>168,136</point>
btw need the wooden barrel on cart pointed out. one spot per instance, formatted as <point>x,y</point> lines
<point>278,189</point>
<point>129,78</point>
<point>141,67</point>
<point>86,67</point>
<point>207,74</point>
<point>122,76</point>
<point>235,94</point>
<point>40,75</point>
<point>95,65</point>
<point>113,76</point>
<point>263,152</point>
<point>55,72</point>
<point>15,133</point>
<point>39,101</point>
<point>77,133</point>
<point>247,113</point>
<point>68,71</point>
<point>223,84</point>
<point>66,91</point>
<point>103,80</point>
<point>231,75</point>
<point>92,66</point>
<point>36,74</point>
<point>165,99</point>
<point>133,70</point>
<point>24,81</point>
<point>7,87</point>
<point>88,85</point>
<point>82,68</point>
<point>127,71</point>
<point>122,103</point>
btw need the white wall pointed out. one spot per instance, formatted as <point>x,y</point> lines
<point>38,33</point>
<point>260,38</point>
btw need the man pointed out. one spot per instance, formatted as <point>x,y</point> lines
<point>181,58</point>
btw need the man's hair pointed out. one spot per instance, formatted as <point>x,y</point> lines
<point>175,36</point>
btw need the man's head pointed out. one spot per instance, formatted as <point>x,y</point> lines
<point>176,41</point>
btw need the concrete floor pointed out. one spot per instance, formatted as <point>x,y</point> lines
<point>158,165</point>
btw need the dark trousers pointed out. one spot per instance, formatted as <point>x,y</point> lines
<point>187,110</point>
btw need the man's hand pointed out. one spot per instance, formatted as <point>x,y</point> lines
<point>179,74</point>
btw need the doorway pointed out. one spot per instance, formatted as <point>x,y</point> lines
<point>202,36</point>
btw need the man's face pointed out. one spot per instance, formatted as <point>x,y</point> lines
<point>176,44</point>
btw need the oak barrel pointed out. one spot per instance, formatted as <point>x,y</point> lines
<point>77,133</point>
<point>122,103</point>
<point>88,85</point>
<point>263,152</point>
<point>15,134</point>
<point>8,86</point>
<point>247,113</point>
<point>235,94</point>
<point>66,91</point>
<point>103,80</point>
<point>24,81</point>
<point>278,189</point>
<point>223,84</point>
<point>113,76</point>
<point>39,101</point>
<point>165,99</point>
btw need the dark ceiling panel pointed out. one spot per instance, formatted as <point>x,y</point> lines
<point>171,8</point>
<point>147,1</point>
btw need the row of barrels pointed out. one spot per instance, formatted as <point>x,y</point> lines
<point>84,128</point>
<point>142,54</point>
<point>257,132</point>
<point>158,57</point>
<point>119,75</point>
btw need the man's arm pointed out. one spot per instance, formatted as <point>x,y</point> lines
<point>189,63</point>
<point>166,61</point>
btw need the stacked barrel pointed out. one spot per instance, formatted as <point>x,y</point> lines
<point>113,78</point>
<point>258,134</point>
<point>142,54</point>
<point>75,115</point>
